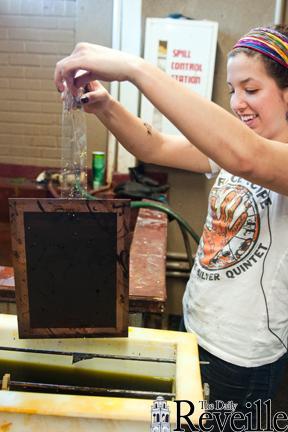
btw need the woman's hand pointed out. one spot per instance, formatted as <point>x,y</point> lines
<point>96,98</point>
<point>89,62</point>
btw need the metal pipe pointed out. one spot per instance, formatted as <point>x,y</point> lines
<point>177,256</point>
<point>175,274</point>
<point>70,389</point>
<point>279,12</point>
<point>177,265</point>
<point>78,356</point>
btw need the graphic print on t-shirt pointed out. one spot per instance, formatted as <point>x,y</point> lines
<point>232,227</point>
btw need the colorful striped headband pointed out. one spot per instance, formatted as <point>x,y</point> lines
<point>268,42</point>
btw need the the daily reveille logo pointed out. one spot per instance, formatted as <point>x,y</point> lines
<point>218,416</point>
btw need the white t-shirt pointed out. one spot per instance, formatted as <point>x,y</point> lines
<point>245,235</point>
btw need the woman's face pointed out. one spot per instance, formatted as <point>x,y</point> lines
<point>255,97</point>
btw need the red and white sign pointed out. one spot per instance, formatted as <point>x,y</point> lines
<point>184,49</point>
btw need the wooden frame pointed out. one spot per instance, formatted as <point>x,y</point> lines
<point>71,260</point>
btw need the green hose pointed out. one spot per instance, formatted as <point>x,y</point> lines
<point>183,225</point>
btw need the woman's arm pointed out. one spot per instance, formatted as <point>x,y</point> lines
<point>141,139</point>
<point>214,132</point>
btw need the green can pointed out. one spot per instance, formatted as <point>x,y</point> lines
<point>98,169</point>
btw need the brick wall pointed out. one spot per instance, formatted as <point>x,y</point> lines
<point>34,35</point>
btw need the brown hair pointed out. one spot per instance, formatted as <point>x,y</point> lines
<point>278,72</point>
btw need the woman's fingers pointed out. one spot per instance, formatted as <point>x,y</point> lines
<point>76,69</point>
<point>83,79</point>
<point>65,72</point>
<point>58,80</point>
<point>96,97</point>
<point>97,62</point>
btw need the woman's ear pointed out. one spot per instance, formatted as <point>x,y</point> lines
<point>285,95</point>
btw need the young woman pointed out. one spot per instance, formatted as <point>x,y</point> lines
<point>236,300</point>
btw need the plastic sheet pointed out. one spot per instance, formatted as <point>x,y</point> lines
<point>74,147</point>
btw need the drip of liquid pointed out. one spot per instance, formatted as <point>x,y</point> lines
<point>74,147</point>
